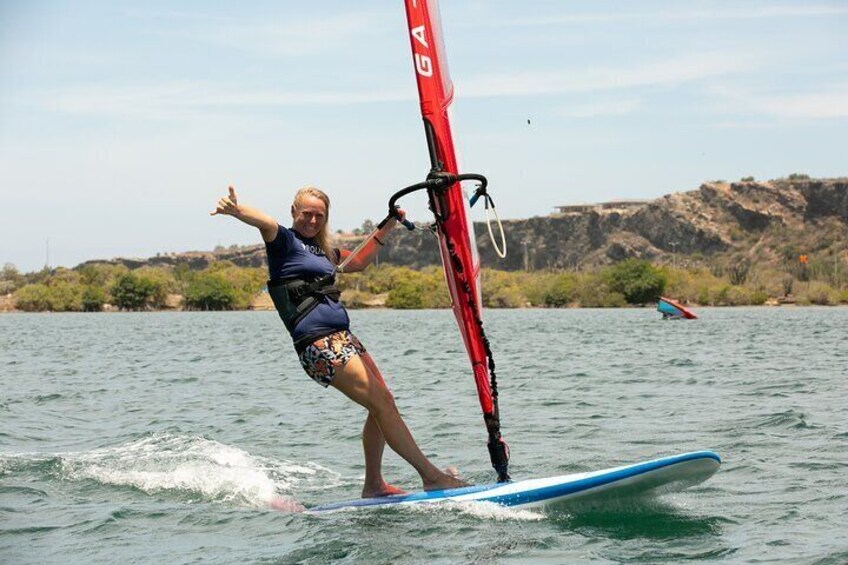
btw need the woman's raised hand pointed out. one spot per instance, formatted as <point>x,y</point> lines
<point>227,205</point>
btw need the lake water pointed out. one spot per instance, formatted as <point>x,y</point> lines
<point>161,437</point>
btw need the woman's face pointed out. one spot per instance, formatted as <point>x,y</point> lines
<point>309,217</point>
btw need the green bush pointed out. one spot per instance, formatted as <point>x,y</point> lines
<point>593,292</point>
<point>406,295</point>
<point>210,291</point>
<point>131,292</point>
<point>32,298</point>
<point>245,283</point>
<point>535,286</point>
<point>638,281</point>
<point>561,292</point>
<point>418,289</point>
<point>93,298</point>
<point>65,296</point>
<point>819,293</point>
<point>381,279</point>
<point>59,296</point>
<point>738,296</point>
<point>11,279</point>
<point>506,297</point>
<point>502,289</point>
<point>161,282</point>
<point>759,297</point>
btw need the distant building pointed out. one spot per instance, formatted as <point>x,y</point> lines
<point>613,205</point>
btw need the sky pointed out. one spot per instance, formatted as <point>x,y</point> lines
<point>122,123</point>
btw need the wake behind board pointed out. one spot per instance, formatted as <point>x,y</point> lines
<point>650,478</point>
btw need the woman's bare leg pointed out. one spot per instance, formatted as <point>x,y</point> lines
<point>373,444</point>
<point>354,381</point>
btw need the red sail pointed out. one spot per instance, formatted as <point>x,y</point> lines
<point>456,232</point>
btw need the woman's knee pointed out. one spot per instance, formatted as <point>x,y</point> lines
<point>382,401</point>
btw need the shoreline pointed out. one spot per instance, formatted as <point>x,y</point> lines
<point>383,308</point>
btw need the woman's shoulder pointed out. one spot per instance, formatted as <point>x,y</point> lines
<point>284,236</point>
<point>282,241</point>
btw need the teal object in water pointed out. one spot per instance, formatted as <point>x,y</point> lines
<point>672,309</point>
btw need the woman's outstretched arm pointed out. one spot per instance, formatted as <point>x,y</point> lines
<point>229,206</point>
<point>356,260</point>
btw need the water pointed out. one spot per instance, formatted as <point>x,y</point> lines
<point>160,438</point>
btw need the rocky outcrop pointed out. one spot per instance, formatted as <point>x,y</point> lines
<point>716,219</point>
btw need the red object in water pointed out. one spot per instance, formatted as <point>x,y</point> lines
<point>674,308</point>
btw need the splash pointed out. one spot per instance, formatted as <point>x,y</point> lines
<point>195,467</point>
<point>481,510</point>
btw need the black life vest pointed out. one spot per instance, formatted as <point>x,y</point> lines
<point>294,298</point>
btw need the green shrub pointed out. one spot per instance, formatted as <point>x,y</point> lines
<point>161,282</point>
<point>131,292</point>
<point>502,289</point>
<point>63,275</point>
<point>93,298</point>
<point>244,282</point>
<point>593,292</point>
<point>819,293</point>
<point>738,296</point>
<point>381,279</point>
<point>65,296</point>
<point>614,300</point>
<point>32,298</point>
<point>406,295</point>
<point>210,291</point>
<point>637,280</point>
<point>535,286</point>
<point>759,297</point>
<point>11,279</point>
<point>561,292</point>
<point>506,297</point>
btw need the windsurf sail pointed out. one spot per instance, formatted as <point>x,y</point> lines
<point>672,309</point>
<point>450,207</point>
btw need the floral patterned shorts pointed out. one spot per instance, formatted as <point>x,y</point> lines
<point>321,357</point>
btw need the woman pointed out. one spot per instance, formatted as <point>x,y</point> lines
<point>302,264</point>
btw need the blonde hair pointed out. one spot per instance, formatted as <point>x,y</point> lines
<point>323,238</point>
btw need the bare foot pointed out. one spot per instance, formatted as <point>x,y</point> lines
<point>286,504</point>
<point>449,478</point>
<point>384,489</point>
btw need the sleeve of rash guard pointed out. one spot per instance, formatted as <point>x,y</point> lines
<point>282,242</point>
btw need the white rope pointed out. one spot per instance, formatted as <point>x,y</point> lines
<point>501,254</point>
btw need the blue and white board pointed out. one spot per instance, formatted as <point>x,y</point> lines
<point>651,478</point>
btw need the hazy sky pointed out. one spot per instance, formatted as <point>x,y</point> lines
<point>121,123</point>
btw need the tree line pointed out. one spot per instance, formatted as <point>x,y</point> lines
<point>225,286</point>
<point>88,288</point>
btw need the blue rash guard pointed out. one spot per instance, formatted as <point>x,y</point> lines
<point>291,255</point>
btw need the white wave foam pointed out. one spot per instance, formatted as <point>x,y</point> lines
<point>195,466</point>
<point>481,510</point>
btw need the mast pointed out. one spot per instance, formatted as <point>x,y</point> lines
<point>456,232</point>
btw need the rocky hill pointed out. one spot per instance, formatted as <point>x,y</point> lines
<point>762,222</point>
